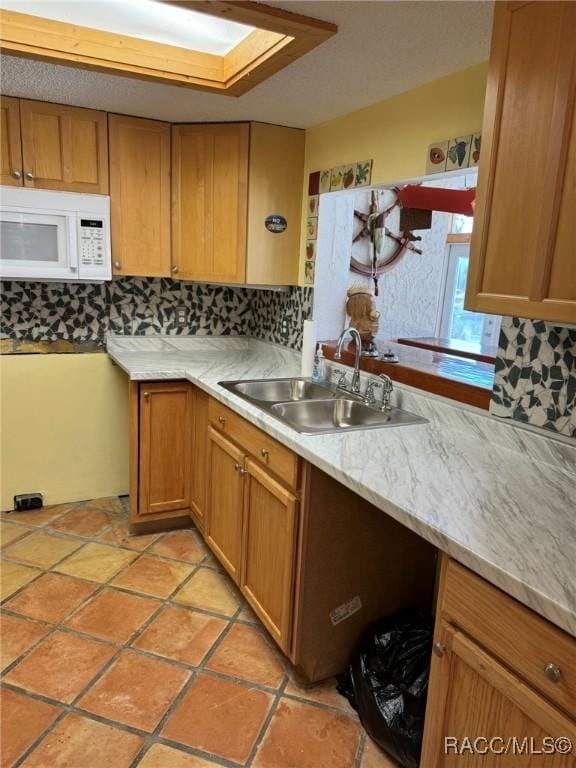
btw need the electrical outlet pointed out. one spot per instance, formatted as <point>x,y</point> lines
<point>284,328</point>
<point>181,316</point>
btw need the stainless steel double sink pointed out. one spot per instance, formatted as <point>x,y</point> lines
<point>312,408</point>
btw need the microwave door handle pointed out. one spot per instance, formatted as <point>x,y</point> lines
<point>73,244</point>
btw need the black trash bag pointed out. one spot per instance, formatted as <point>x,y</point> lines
<point>387,683</point>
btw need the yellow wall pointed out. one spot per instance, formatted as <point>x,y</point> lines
<point>396,132</point>
<point>64,427</point>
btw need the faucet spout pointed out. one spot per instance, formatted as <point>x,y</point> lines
<point>338,354</point>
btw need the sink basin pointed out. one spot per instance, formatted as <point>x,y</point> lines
<point>340,414</point>
<point>317,408</point>
<point>278,390</point>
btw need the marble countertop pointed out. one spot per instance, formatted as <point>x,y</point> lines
<point>499,499</point>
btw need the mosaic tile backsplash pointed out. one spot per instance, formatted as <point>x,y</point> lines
<point>145,306</point>
<point>535,376</point>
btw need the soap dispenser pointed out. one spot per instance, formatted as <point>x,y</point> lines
<point>319,368</point>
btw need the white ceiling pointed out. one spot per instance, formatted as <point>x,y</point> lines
<point>382,49</point>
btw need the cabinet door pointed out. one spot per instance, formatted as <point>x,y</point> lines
<point>140,196</point>
<point>522,258</point>
<point>473,697</point>
<point>268,551</point>
<point>223,526</point>
<point>64,147</point>
<point>209,206</point>
<point>199,456</point>
<point>165,441</point>
<point>10,142</point>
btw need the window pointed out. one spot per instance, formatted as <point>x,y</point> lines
<point>457,322</point>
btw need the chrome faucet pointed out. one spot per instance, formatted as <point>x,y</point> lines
<point>387,390</point>
<point>355,387</point>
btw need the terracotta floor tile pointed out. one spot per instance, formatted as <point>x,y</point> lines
<point>181,545</point>
<point>210,590</point>
<point>83,521</point>
<point>373,757</point>
<point>113,615</point>
<point>42,549</point>
<point>135,691</point>
<point>11,532</point>
<point>80,742</point>
<point>39,516</point>
<point>220,717</point>
<point>14,576</point>
<point>161,756</point>
<point>153,576</point>
<point>322,693</point>
<point>301,736</point>
<point>181,634</point>
<point>23,720</point>
<point>51,597</point>
<point>244,653</point>
<point>247,614</point>
<point>109,503</point>
<point>61,666</point>
<point>96,562</point>
<point>17,636</point>
<point>119,534</point>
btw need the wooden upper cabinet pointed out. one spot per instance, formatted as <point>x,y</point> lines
<point>165,441</point>
<point>523,254</point>
<point>226,180</point>
<point>10,142</point>
<point>210,178</point>
<point>64,148</point>
<point>276,179</point>
<point>140,196</point>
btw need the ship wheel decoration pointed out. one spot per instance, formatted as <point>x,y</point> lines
<point>374,227</point>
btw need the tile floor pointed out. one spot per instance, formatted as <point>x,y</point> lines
<point>122,651</point>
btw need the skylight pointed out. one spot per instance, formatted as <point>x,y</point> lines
<point>143,19</point>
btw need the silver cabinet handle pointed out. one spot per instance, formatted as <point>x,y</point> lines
<point>265,453</point>
<point>17,174</point>
<point>174,269</point>
<point>438,649</point>
<point>239,468</point>
<point>222,420</point>
<point>146,395</point>
<point>117,265</point>
<point>552,672</point>
<point>29,175</point>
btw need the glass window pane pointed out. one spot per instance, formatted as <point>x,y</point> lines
<point>28,241</point>
<point>461,225</point>
<point>464,325</point>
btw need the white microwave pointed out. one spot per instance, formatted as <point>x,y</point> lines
<point>46,235</point>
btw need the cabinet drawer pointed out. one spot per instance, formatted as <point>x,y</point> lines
<point>526,642</point>
<point>279,460</point>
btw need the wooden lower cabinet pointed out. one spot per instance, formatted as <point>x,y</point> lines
<point>478,704</point>
<point>223,530</point>
<point>269,551</point>
<point>167,457</point>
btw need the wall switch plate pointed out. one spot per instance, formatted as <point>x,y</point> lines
<point>181,316</point>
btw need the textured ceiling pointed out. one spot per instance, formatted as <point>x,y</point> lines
<point>381,49</point>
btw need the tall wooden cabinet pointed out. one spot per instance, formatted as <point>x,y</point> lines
<point>10,141</point>
<point>523,252</point>
<point>227,179</point>
<point>140,196</point>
